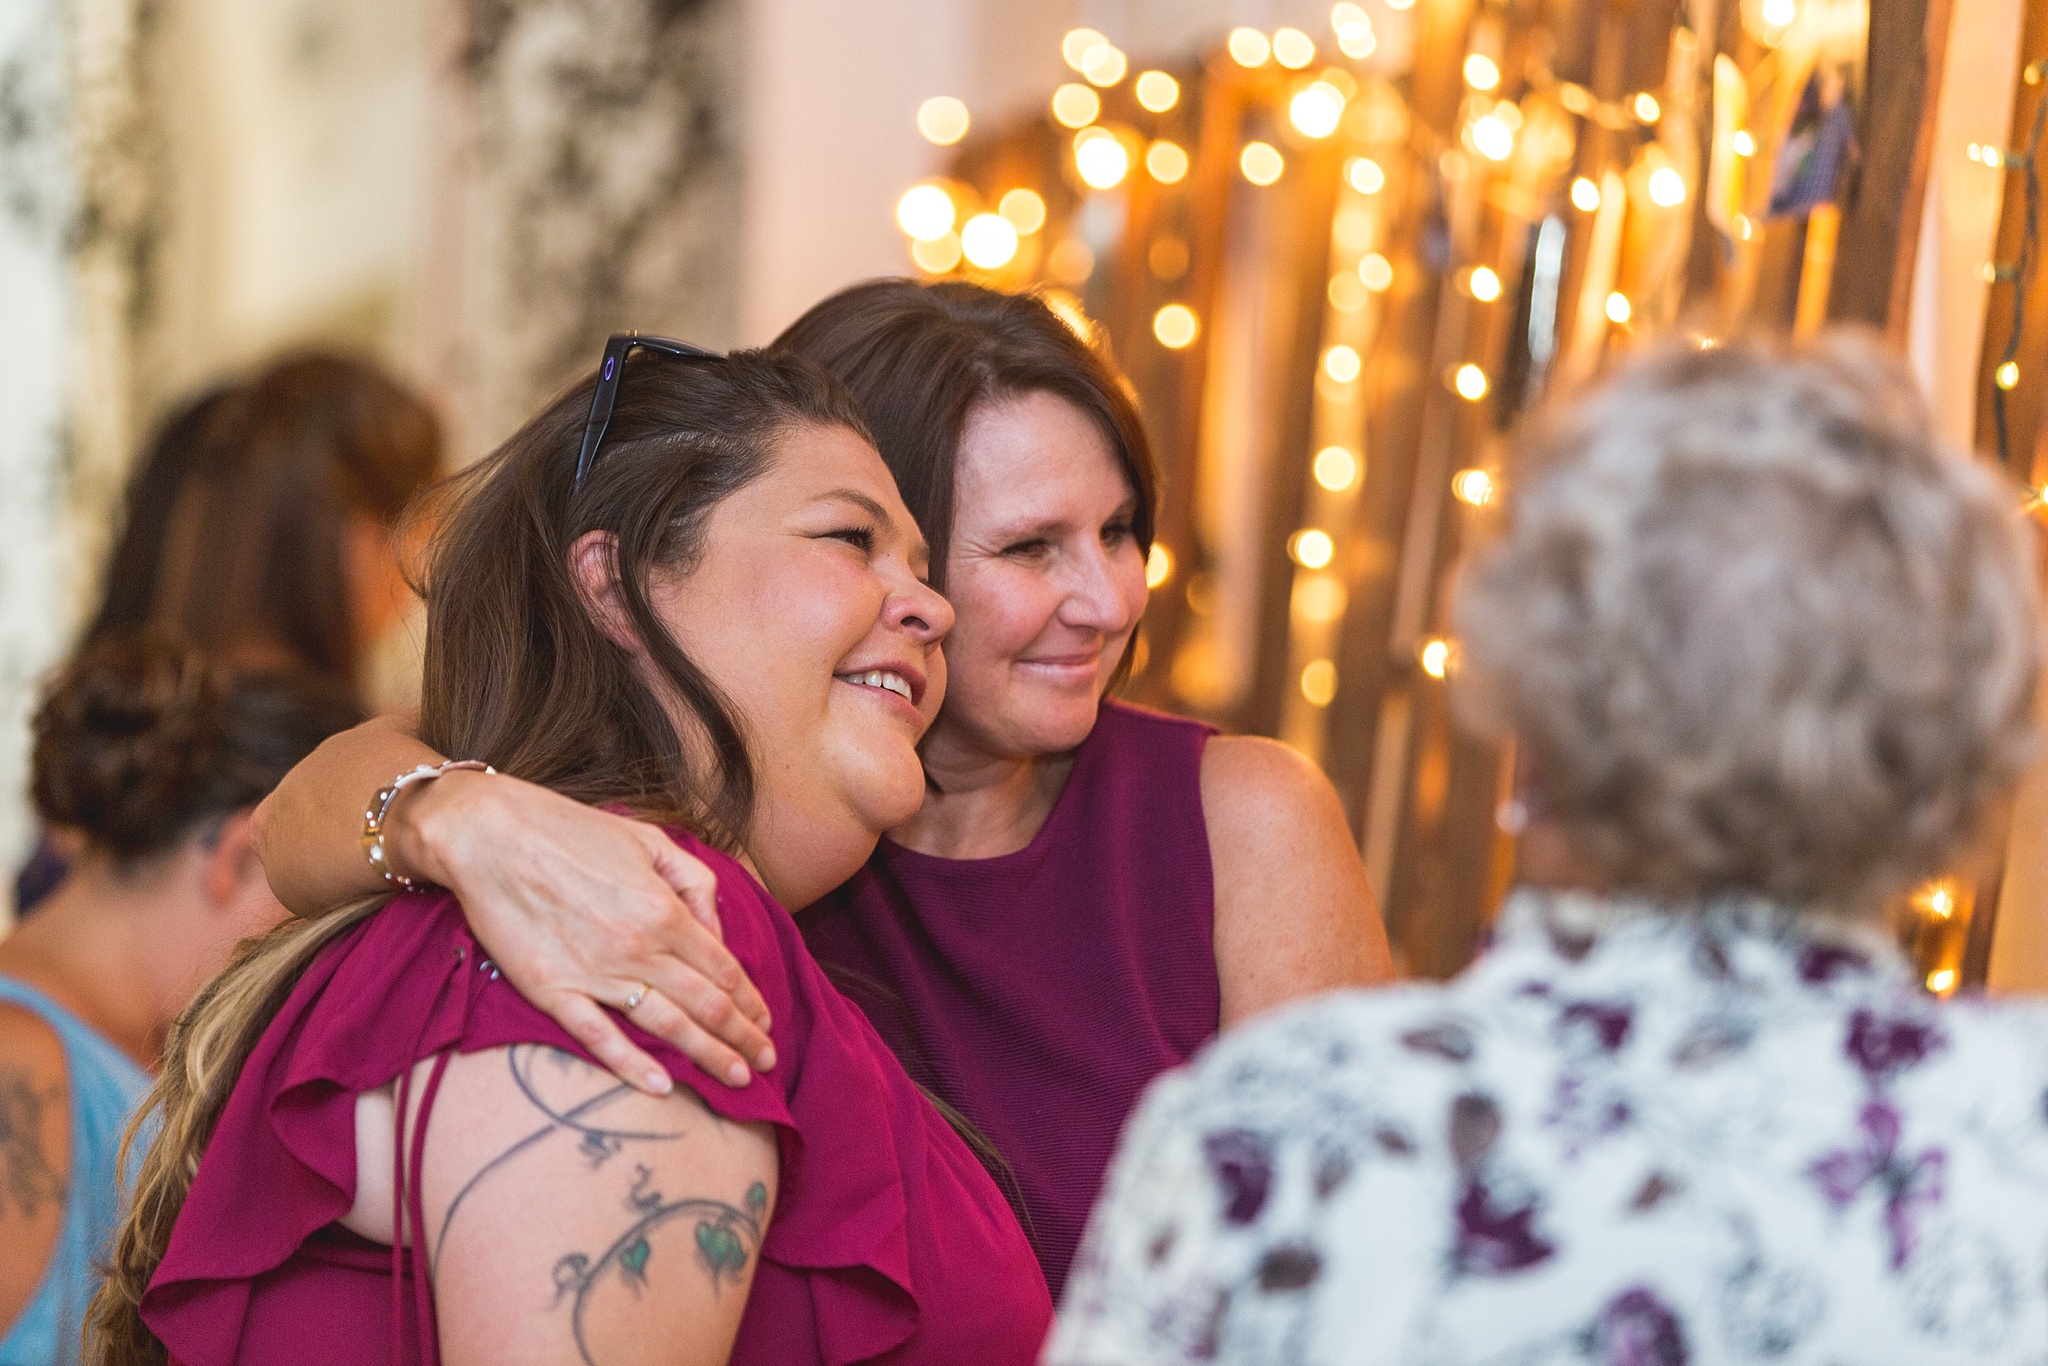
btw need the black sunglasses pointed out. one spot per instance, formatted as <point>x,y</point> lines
<point>621,345</point>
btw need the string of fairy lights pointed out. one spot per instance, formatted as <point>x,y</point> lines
<point>1005,235</point>
<point>2005,376</point>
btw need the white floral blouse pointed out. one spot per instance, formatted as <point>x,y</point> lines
<point>1623,1136</point>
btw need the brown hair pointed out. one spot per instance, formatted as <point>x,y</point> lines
<point>233,527</point>
<point>920,358</point>
<point>517,673</point>
<point>141,740</point>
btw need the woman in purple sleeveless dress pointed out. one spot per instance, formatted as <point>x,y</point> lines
<point>374,1150</point>
<point>1089,890</point>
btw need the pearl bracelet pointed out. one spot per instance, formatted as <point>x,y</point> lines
<point>380,807</point>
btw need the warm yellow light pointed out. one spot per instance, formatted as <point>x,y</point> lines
<point>1481,72</point>
<point>1319,598</point>
<point>1400,4</point>
<point>1336,468</point>
<point>1312,548</point>
<point>1780,13</point>
<point>1293,49</point>
<point>1743,143</point>
<point>1346,12</point>
<point>1316,110</point>
<point>1941,903</point>
<point>1158,565</point>
<point>1646,107</point>
<point>1024,209</point>
<point>1248,47</point>
<point>1071,261</point>
<point>1575,98</point>
<point>1492,138</point>
<point>1618,308</point>
<point>1261,163</point>
<point>1157,91</point>
<point>939,256</point>
<point>1993,157</point>
<point>1167,162</point>
<point>1075,47</point>
<point>1352,229</point>
<point>1941,980</point>
<point>1075,105</point>
<point>1104,65</point>
<point>1744,229</point>
<point>989,241</point>
<point>1484,284</point>
<point>1100,158</point>
<point>2007,376</point>
<point>1365,175</point>
<point>1472,486</point>
<point>1435,656</point>
<point>925,213</point>
<point>1356,39</point>
<point>1347,292</point>
<point>1667,187</point>
<point>1341,363</point>
<point>1175,325</point>
<point>1470,381</point>
<point>1375,272</point>
<point>1975,151</point>
<point>943,120</point>
<point>1585,195</point>
<point>1319,682</point>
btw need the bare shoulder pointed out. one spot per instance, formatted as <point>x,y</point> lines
<point>1251,779</point>
<point>569,1217</point>
<point>35,1152</point>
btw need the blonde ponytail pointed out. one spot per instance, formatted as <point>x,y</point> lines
<point>203,1058</point>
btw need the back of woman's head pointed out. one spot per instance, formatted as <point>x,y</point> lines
<point>236,517</point>
<point>517,670</point>
<point>1757,629</point>
<point>920,358</point>
<point>141,741</point>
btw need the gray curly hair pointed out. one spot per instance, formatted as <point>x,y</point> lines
<point>1756,628</point>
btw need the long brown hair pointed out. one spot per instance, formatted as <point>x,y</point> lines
<point>518,674</point>
<point>920,358</point>
<point>233,530</point>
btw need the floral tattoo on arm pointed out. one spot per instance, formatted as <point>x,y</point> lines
<point>724,1236</point>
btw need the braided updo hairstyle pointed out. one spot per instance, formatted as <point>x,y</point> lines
<point>142,740</point>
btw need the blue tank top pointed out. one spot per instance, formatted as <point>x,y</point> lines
<point>104,1086</point>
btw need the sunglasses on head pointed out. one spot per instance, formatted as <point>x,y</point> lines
<point>609,374</point>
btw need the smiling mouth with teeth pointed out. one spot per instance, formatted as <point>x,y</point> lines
<point>881,678</point>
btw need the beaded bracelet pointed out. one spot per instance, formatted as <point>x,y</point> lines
<point>380,807</point>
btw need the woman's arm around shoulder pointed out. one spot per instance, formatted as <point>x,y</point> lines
<point>572,1219</point>
<point>1294,915</point>
<point>35,1155</point>
<point>579,907</point>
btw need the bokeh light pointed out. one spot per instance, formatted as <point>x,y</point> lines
<point>1261,163</point>
<point>1336,468</point>
<point>1175,325</point>
<point>1157,91</point>
<point>943,120</point>
<point>925,213</point>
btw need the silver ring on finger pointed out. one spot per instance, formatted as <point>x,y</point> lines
<point>634,998</point>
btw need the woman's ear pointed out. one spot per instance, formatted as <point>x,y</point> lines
<point>231,859</point>
<point>593,568</point>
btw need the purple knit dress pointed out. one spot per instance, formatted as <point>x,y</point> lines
<point>889,1243</point>
<point>1039,992</point>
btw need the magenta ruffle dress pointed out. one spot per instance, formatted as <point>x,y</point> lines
<point>890,1242</point>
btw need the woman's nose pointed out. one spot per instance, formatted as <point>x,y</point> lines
<point>1095,600</point>
<point>918,608</point>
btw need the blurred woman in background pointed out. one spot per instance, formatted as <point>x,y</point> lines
<point>261,526</point>
<point>1769,653</point>
<point>155,757</point>
<point>1089,891</point>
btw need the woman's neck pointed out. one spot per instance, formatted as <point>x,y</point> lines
<point>87,949</point>
<point>981,805</point>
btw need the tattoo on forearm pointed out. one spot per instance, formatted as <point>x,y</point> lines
<point>724,1237</point>
<point>28,1183</point>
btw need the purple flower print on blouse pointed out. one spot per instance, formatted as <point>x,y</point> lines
<point>1637,1329</point>
<point>1493,1241</point>
<point>1822,963</point>
<point>1605,1023</point>
<point>1242,1163</point>
<point>1884,1047</point>
<point>1910,1185</point>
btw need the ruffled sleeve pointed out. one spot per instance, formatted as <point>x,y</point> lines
<point>411,982</point>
